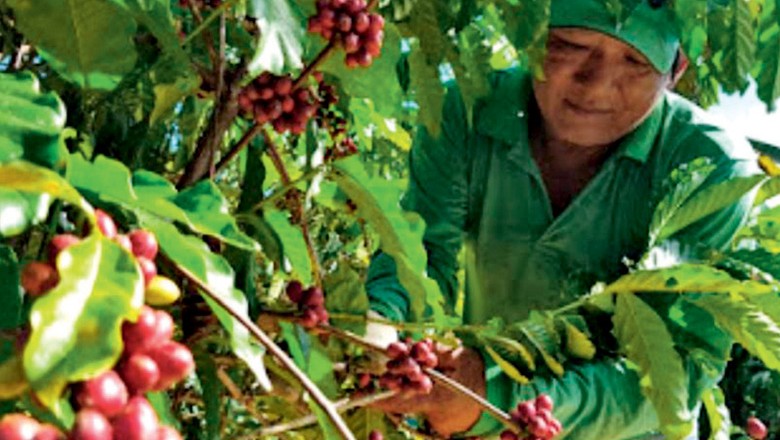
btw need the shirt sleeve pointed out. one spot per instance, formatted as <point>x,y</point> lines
<point>438,191</point>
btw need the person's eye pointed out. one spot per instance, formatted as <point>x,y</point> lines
<point>636,61</point>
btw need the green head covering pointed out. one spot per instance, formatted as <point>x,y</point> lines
<point>651,30</point>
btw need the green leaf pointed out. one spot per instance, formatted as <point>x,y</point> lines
<point>428,91</point>
<point>748,325</point>
<point>646,342</point>
<point>708,201</point>
<point>526,27</point>
<point>202,207</point>
<point>88,42</point>
<point>768,78</point>
<point>19,211</point>
<point>281,35</point>
<point>680,186</point>
<point>740,50</point>
<point>689,277</point>
<point>208,213</point>
<point>365,420</point>
<point>10,292</point>
<point>31,122</point>
<point>192,254</point>
<point>510,348</point>
<point>758,258</point>
<point>693,17</point>
<point>378,202</point>
<point>346,293</point>
<point>507,367</point>
<point>212,393</point>
<point>769,189</point>
<point>156,16</point>
<point>717,413</point>
<point>26,177</point>
<point>374,82</point>
<point>293,244</point>
<point>76,327</point>
<point>543,338</point>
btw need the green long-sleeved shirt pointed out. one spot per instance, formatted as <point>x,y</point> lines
<point>523,258</point>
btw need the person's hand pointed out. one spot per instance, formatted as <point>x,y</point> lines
<point>447,412</point>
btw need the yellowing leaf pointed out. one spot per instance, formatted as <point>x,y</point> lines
<point>507,366</point>
<point>577,343</point>
<point>12,379</point>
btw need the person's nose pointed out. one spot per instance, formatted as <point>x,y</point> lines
<point>595,74</point>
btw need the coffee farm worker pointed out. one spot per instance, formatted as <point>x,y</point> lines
<point>551,186</point>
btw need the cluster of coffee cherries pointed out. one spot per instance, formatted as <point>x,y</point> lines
<point>39,277</point>
<point>310,302</point>
<point>405,369</point>
<point>112,405</point>
<point>273,99</point>
<point>349,24</point>
<point>755,428</point>
<point>535,418</point>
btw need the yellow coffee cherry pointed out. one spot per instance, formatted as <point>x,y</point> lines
<point>161,291</point>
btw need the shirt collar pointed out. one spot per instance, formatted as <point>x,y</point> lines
<point>504,116</point>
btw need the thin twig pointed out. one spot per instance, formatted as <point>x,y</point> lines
<point>205,23</point>
<point>206,34</point>
<point>240,145</point>
<point>437,376</point>
<point>324,53</point>
<point>237,395</point>
<point>341,406</point>
<point>321,400</point>
<point>278,194</point>
<point>316,270</point>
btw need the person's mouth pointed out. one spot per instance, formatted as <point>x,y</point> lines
<point>586,110</point>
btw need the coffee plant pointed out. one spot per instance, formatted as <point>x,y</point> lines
<point>190,193</point>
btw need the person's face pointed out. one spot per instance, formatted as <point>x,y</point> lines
<point>596,88</point>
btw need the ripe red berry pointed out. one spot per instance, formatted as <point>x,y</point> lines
<point>18,427</point>
<point>59,243</point>
<point>351,43</point>
<point>295,291</point>
<point>423,385</point>
<point>543,401</point>
<point>526,411</point>
<point>377,23</point>
<point>755,428</point>
<point>144,244</point>
<point>313,296</point>
<point>364,380</point>
<point>91,425</point>
<point>175,362</point>
<point>390,382</point>
<point>143,334</point>
<point>49,432</point>
<point>106,393</point>
<point>167,433</point>
<point>38,278</point>
<point>344,23</point>
<point>309,318</point>
<point>140,373</point>
<point>148,269</point>
<point>283,86</point>
<point>397,350</point>
<point>105,224</point>
<point>375,435</point>
<point>362,22</point>
<point>405,366</point>
<point>509,435</point>
<point>137,422</point>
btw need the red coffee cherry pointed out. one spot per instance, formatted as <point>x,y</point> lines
<point>38,278</point>
<point>151,329</point>
<point>144,244</point>
<point>18,427</point>
<point>313,297</point>
<point>140,373</point>
<point>48,432</point>
<point>509,435</point>
<point>137,422</point>
<point>543,401</point>
<point>59,243</point>
<point>106,393</point>
<point>755,428</point>
<point>91,424</point>
<point>167,433</point>
<point>175,362</point>
<point>397,350</point>
<point>295,291</point>
<point>375,435</point>
<point>105,224</point>
<point>148,269</point>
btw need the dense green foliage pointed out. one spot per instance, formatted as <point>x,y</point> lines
<point>135,107</point>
